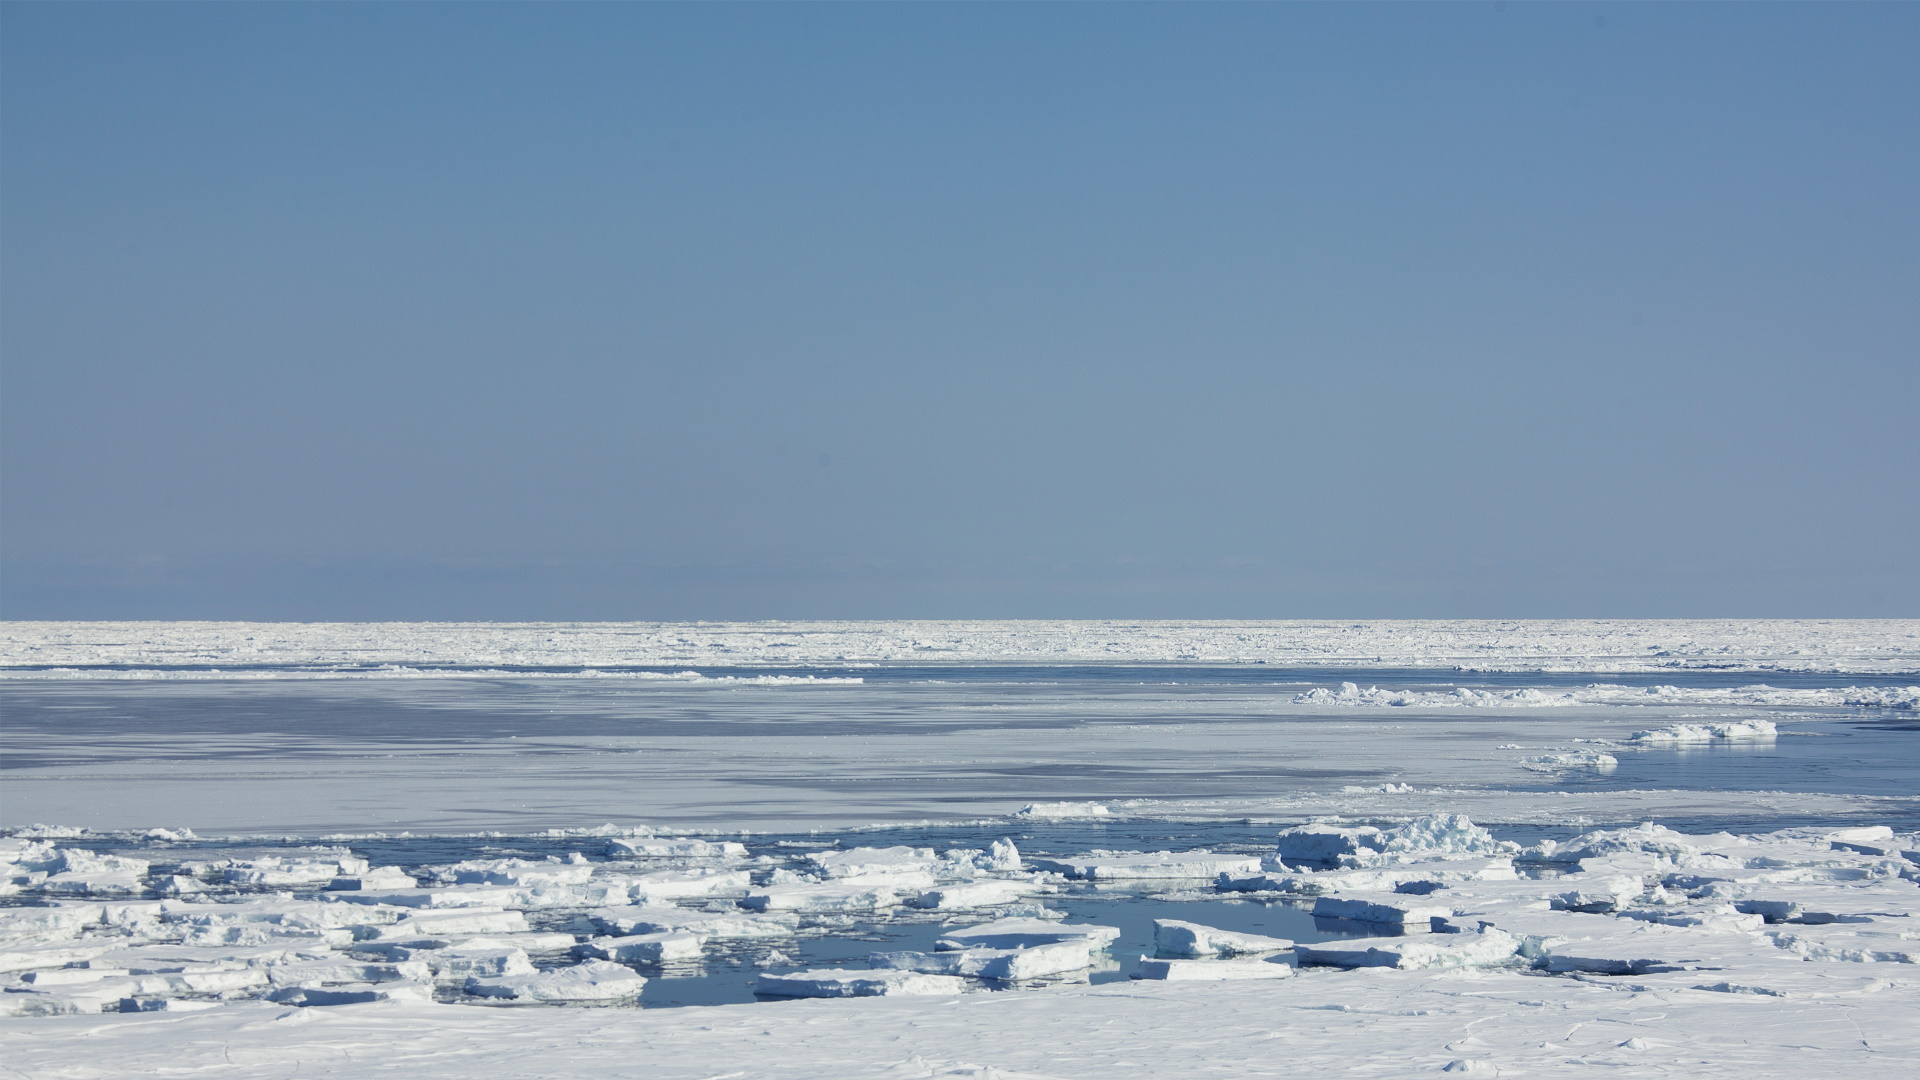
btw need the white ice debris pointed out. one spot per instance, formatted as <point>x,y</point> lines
<point>1025,933</point>
<point>1172,937</point>
<point>1033,962</point>
<point>1423,839</point>
<point>1062,811</point>
<point>969,895</point>
<point>1573,759</point>
<point>640,847</point>
<point>848,895</point>
<point>385,877</point>
<point>1478,949</point>
<point>1409,914</point>
<point>862,861</point>
<point>831,982</point>
<point>1150,967</point>
<point>1159,865</point>
<point>1325,844</point>
<point>1693,734</point>
<point>712,925</point>
<point>653,948</point>
<point>595,980</point>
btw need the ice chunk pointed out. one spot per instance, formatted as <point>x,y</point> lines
<point>860,861</point>
<point>469,960</point>
<point>42,1005</point>
<point>1442,834</point>
<point>49,954</point>
<point>1693,734</point>
<point>1422,951</point>
<point>161,1004</point>
<point>324,972</point>
<point>275,871</point>
<point>437,924</point>
<point>1868,840</point>
<point>1860,943</point>
<point>1324,844</point>
<point>1171,937</point>
<point>668,884</point>
<point>973,894</point>
<point>79,872</point>
<point>1208,970</point>
<point>1054,958</point>
<point>595,980</point>
<point>352,994</point>
<point>832,982</point>
<point>54,923</point>
<point>1648,839</point>
<point>1577,759</point>
<point>458,897</point>
<point>1026,934</point>
<point>712,925</point>
<point>44,978</point>
<point>631,848</point>
<point>1597,893</point>
<point>382,877</point>
<point>849,895</point>
<point>1001,856</point>
<point>1201,865</point>
<point>1062,811</point>
<point>519,872</point>
<point>652,948</point>
<point>1412,914</point>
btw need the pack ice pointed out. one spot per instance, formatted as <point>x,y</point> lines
<point>1440,910</point>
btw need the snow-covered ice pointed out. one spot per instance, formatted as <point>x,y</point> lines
<point>1763,928</point>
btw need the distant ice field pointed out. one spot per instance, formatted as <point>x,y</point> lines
<point>517,752</point>
<point>1594,645</point>
<point>1331,848</point>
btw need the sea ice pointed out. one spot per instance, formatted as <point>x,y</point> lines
<point>1155,865</point>
<point>867,894</point>
<point>652,948</point>
<point>1411,914</point>
<point>653,848</point>
<point>1208,970</point>
<point>1023,933</point>
<point>829,982</point>
<point>969,895</point>
<point>1172,937</point>
<point>1034,962</point>
<point>860,861</point>
<point>595,980</point>
<point>1684,734</point>
<point>1491,946</point>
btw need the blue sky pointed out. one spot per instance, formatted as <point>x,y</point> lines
<point>735,311</point>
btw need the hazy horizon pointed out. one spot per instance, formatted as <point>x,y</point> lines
<point>657,312</point>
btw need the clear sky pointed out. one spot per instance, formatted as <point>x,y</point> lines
<point>629,311</point>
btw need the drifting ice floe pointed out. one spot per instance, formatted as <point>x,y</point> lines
<point>1174,938</point>
<point>839,983</point>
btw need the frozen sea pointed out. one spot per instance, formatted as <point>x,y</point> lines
<point>427,748</point>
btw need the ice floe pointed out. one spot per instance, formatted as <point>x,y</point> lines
<point>844,983</point>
